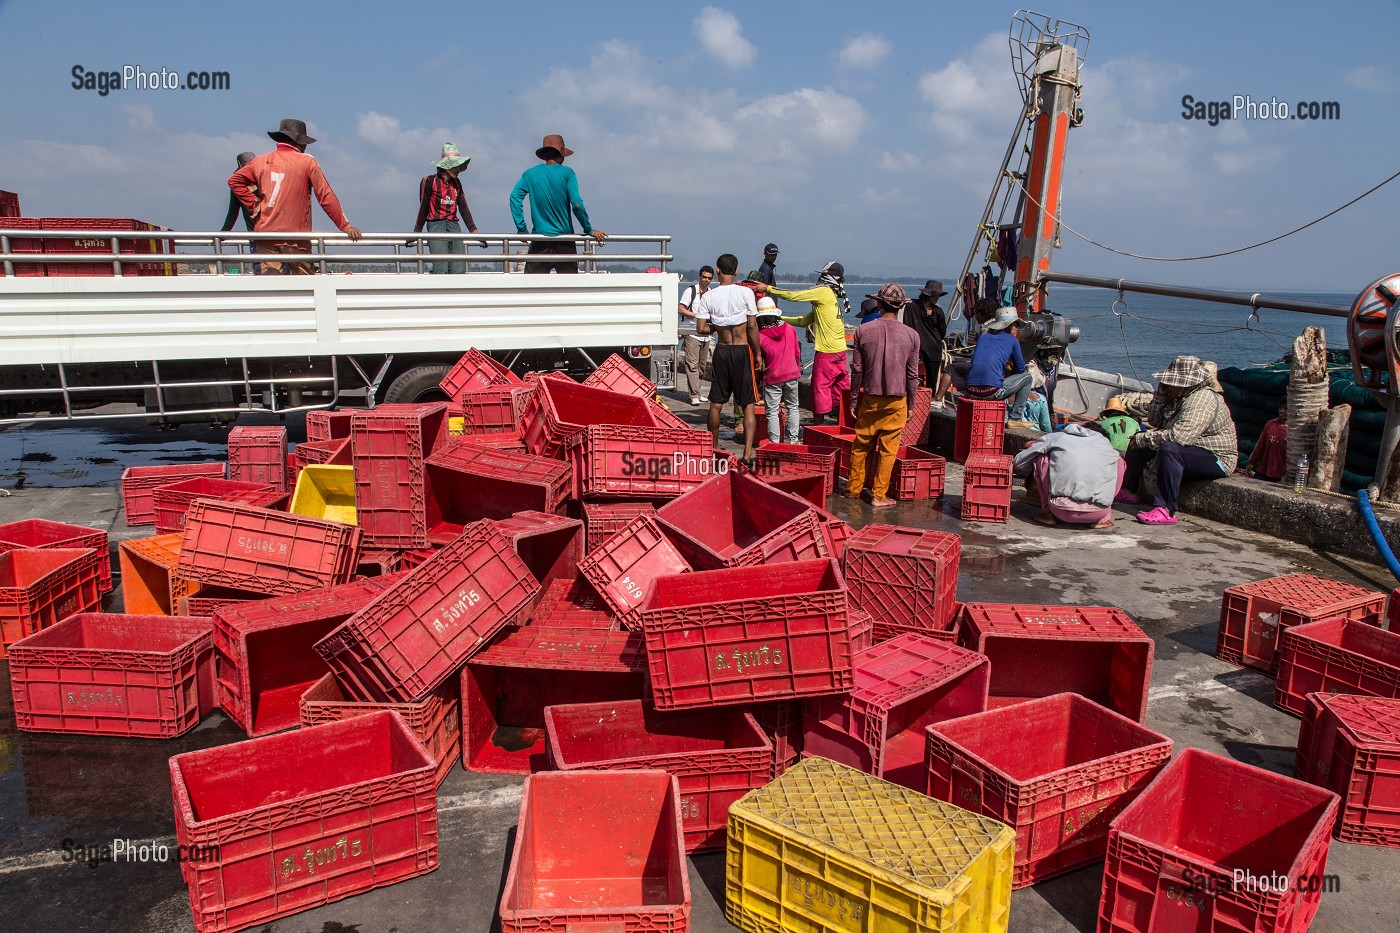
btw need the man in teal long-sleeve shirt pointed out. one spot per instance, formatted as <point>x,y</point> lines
<point>553,191</point>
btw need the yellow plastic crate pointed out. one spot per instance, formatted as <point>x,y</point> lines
<point>325,491</point>
<point>828,849</point>
<point>456,424</point>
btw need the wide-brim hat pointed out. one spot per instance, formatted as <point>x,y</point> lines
<point>451,157</point>
<point>1003,319</point>
<point>932,289</point>
<point>292,131</point>
<point>1113,406</point>
<point>553,147</point>
<point>1185,372</point>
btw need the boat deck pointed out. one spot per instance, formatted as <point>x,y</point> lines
<point>57,790</point>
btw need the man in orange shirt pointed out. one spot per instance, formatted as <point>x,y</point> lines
<point>276,186</point>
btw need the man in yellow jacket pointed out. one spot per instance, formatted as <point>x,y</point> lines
<point>827,318</point>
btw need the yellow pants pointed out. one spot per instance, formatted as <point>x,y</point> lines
<point>878,426</point>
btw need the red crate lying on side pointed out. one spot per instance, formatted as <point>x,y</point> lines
<point>258,455</point>
<point>467,484</point>
<point>623,567</point>
<point>436,721</point>
<point>476,370</point>
<point>717,756</point>
<point>1253,616</point>
<point>139,484</point>
<point>1095,651</point>
<point>551,547</point>
<point>625,461</point>
<point>801,456</point>
<point>747,634</point>
<point>573,604</point>
<point>617,375</point>
<point>150,585</point>
<point>173,500</point>
<point>831,437</point>
<point>212,598</point>
<point>1336,656</point>
<point>40,586</point>
<point>578,867</point>
<point>289,835</point>
<point>489,411</point>
<point>986,488</point>
<point>42,533</point>
<point>323,424</point>
<point>558,408</point>
<point>1173,853</point>
<point>388,449</point>
<point>506,688</point>
<point>1351,746</point>
<point>906,578</point>
<point>862,629</point>
<point>917,475</point>
<point>323,453</point>
<point>901,686</point>
<point>602,520</point>
<point>1057,770</point>
<point>807,485</point>
<point>264,551</point>
<point>265,656</point>
<point>737,520</point>
<point>980,427</point>
<point>407,642</point>
<point>105,674</point>
<point>836,532</point>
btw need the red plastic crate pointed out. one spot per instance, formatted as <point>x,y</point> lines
<point>139,484</point>
<point>173,500</point>
<point>102,245</point>
<point>623,461</point>
<point>901,686</point>
<point>492,410</point>
<point>862,629</point>
<point>40,586</point>
<point>624,566</point>
<point>917,475</point>
<point>104,674</point>
<point>602,520</point>
<point>1253,616</point>
<point>573,604</point>
<point>22,244</point>
<point>258,455</point>
<point>617,375</point>
<point>1392,611</point>
<point>980,427</point>
<point>9,205</point>
<point>467,484</point>
<point>150,585</point>
<point>436,721</point>
<point>801,456</point>
<point>782,723</point>
<point>717,756</point>
<point>213,598</point>
<point>248,548</point>
<point>506,688</point>
<point>558,408</point>
<point>665,418</point>
<point>265,659</point>
<point>986,488</point>
<point>551,547</point>
<point>831,437</point>
<point>323,424</point>
<point>1351,746</point>
<point>1336,656</point>
<point>303,819</point>
<point>1057,770</point>
<point>1095,651</point>
<point>737,520</point>
<point>916,427</point>
<point>747,634</point>
<point>42,533</point>
<point>1173,852</point>
<point>580,867</point>
<point>836,532</point>
<point>807,485</point>
<point>388,449</point>
<point>320,453</point>
<point>509,441</point>
<point>906,578</point>
<point>406,643</point>
<point>476,370</point>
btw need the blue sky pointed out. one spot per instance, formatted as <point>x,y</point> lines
<point>868,133</point>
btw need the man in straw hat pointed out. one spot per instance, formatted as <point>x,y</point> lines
<point>1189,434</point>
<point>1118,424</point>
<point>440,201</point>
<point>553,192</point>
<point>276,186</point>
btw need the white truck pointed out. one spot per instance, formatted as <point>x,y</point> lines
<point>208,346</point>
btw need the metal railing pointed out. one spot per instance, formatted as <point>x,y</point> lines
<point>405,253</point>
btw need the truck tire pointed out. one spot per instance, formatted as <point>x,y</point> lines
<point>419,384</point>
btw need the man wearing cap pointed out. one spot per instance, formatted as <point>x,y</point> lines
<point>828,319</point>
<point>931,324</point>
<point>1190,435</point>
<point>765,269</point>
<point>884,380</point>
<point>440,201</point>
<point>277,186</point>
<point>998,346</point>
<point>553,192</point>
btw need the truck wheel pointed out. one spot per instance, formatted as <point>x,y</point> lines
<point>419,384</point>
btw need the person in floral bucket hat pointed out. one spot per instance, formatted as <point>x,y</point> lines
<point>1188,435</point>
<point>440,202</point>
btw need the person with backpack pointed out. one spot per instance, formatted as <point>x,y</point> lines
<point>695,348</point>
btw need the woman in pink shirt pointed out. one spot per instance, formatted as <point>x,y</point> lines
<point>782,368</point>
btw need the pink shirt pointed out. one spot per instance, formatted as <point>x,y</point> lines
<point>782,357</point>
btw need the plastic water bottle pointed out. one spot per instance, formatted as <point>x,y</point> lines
<point>1300,477</point>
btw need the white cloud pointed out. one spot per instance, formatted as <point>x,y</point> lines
<point>1371,78</point>
<point>821,118</point>
<point>722,36</point>
<point>973,97</point>
<point>139,116</point>
<point>901,161</point>
<point>864,51</point>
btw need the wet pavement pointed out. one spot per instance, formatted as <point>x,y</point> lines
<point>59,791</point>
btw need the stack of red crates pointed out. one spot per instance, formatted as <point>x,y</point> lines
<point>1254,616</point>
<point>22,244</point>
<point>389,449</point>
<point>1351,746</point>
<point>980,427</point>
<point>986,488</point>
<point>78,243</point>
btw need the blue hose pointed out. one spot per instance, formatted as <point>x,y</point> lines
<point>1363,501</point>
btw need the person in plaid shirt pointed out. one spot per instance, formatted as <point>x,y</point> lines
<point>1189,435</point>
